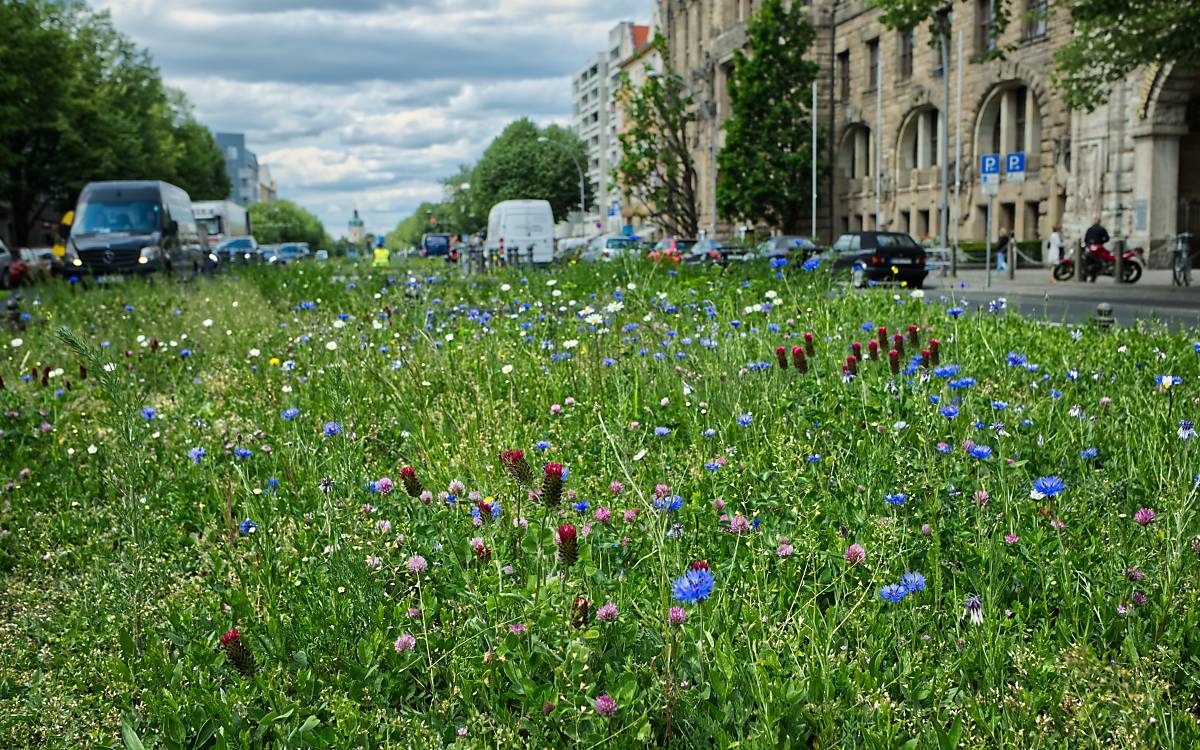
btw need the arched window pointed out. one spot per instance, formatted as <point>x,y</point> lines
<point>920,140</point>
<point>1008,121</point>
<point>854,155</point>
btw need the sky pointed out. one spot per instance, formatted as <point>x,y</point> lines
<point>367,103</point>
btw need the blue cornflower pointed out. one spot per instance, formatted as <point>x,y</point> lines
<point>913,582</point>
<point>1166,381</point>
<point>962,383</point>
<point>242,452</point>
<point>1015,360</point>
<point>196,454</point>
<point>693,586</point>
<point>745,420</point>
<point>811,264</point>
<point>290,413</point>
<point>935,400</point>
<point>608,362</point>
<point>1187,430</point>
<point>248,526</point>
<point>982,452</point>
<point>148,413</point>
<point>949,412</point>
<point>712,467</point>
<point>781,262</point>
<point>999,405</point>
<point>1088,454</point>
<point>709,433</point>
<point>896,499</point>
<point>674,502</point>
<point>946,371</point>
<point>332,428</point>
<point>893,592</point>
<point>954,312</point>
<point>542,445</point>
<point>660,431</point>
<point>814,458</point>
<point>1055,393</point>
<point>581,506</point>
<point>1047,487</point>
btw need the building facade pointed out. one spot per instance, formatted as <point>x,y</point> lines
<point>889,135</point>
<point>248,183</point>
<point>356,230</point>
<point>637,68</point>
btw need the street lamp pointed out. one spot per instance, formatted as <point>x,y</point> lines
<point>582,192</point>
<point>710,116</point>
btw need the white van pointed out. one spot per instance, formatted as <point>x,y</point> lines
<point>522,230</point>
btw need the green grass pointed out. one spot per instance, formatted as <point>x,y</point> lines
<point>123,561</point>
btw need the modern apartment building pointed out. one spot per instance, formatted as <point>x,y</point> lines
<point>250,182</point>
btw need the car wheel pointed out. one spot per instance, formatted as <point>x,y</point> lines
<point>857,278</point>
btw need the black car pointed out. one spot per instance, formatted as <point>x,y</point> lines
<point>879,257</point>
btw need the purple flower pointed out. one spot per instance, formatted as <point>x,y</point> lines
<point>405,643</point>
<point>855,554</point>
<point>607,612</point>
<point>677,616</point>
<point>417,564</point>
<point>1144,516</point>
<point>605,705</point>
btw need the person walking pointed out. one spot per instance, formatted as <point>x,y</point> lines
<point>1057,247</point>
<point>1002,250</point>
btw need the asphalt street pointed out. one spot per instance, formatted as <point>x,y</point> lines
<point>1034,294</point>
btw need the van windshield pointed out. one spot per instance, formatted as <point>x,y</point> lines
<point>126,211</point>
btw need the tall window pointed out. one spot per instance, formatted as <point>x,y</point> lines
<point>844,74</point>
<point>1035,18</point>
<point>932,128</point>
<point>1019,126</point>
<point>873,62</point>
<point>906,55</point>
<point>985,32</point>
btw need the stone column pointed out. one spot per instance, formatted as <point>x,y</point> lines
<point>1156,190</point>
<point>922,140</point>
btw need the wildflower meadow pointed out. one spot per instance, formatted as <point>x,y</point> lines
<point>613,505</point>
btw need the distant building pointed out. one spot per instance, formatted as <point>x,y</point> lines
<point>241,164</point>
<point>644,61</point>
<point>593,118</point>
<point>357,230</point>
<point>267,189</point>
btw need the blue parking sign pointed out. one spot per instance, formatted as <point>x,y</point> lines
<point>1014,163</point>
<point>989,164</point>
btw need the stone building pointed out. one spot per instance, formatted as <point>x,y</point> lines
<point>881,100</point>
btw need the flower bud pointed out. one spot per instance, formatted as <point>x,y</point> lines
<point>781,357</point>
<point>552,485</point>
<point>798,359</point>
<point>852,365</point>
<point>412,485</point>
<point>873,349</point>
<point>809,348</point>
<point>883,336</point>
<point>935,352</point>
<point>894,362</point>
<point>568,544</point>
<point>914,337</point>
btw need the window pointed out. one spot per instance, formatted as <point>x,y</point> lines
<point>906,55</point>
<point>985,33</point>
<point>873,62</point>
<point>932,129</point>
<point>1019,126</point>
<point>1035,18</point>
<point>843,61</point>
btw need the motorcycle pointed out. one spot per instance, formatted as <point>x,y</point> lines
<point>1098,261</point>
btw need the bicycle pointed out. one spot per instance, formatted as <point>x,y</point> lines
<point>1181,269</point>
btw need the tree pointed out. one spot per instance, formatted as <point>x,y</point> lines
<point>408,232</point>
<point>459,212</point>
<point>284,221</point>
<point>656,169</point>
<point>1110,38</point>
<point>80,102</point>
<point>518,166</point>
<point>766,162</point>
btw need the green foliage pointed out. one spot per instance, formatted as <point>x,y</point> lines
<point>408,232</point>
<point>656,171</point>
<point>79,102</point>
<point>517,166</point>
<point>1109,38</point>
<point>764,174</point>
<point>284,221</point>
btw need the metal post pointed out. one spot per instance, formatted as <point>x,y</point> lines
<point>989,242</point>
<point>878,133</point>
<point>944,213</point>
<point>813,115</point>
<point>958,69</point>
<point>1012,253</point>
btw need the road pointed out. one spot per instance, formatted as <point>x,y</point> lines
<point>1035,294</point>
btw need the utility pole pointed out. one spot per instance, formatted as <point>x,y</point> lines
<point>944,213</point>
<point>813,114</point>
<point>878,130</point>
<point>958,68</point>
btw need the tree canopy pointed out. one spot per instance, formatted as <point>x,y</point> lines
<point>1109,38</point>
<point>284,221</point>
<point>80,102</point>
<point>656,170</point>
<point>518,166</point>
<point>764,174</point>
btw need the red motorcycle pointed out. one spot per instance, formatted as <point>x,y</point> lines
<point>1098,261</point>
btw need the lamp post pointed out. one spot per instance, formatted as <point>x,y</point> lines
<point>582,192</point>
<point>710,116</point>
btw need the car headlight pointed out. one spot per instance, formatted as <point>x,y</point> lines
<point>213,257</point>
<point>148,254</point>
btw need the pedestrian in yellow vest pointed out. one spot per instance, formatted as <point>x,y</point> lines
<point>382,258</point>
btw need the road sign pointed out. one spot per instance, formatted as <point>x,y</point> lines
<point>989,170</point>
<point>1014,167</point>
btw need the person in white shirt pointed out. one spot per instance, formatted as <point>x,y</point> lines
<point>1056,243</point>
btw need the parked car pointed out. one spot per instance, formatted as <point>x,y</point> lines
<point>321,255</point>
<point>6,259</point>
<point>38,258</point>
<point>607,247</point>
<point>878,257</point>
<point>673,246</point>
<point>521,230</point>
<point>238,250</point>
<point>290,252</point>
<point>786,246</point>
<point>716,251</point>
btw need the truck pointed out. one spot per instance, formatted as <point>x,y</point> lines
<point>521,231</point>
<point>221,220</point>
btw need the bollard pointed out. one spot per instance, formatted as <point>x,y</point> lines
<point>14,313</point>
<point>1103,318</point>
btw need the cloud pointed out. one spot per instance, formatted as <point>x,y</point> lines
<point>368,103</point>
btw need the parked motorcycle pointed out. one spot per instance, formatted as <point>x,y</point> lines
<point>1098,261</point>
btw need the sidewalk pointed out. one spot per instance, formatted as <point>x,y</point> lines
<point>1154,287</point>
